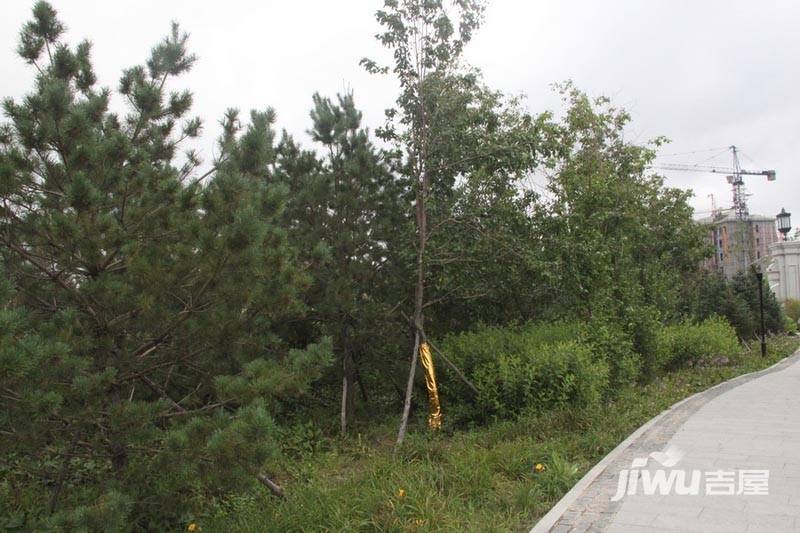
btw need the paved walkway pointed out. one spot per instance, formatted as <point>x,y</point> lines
<point>723,440</point>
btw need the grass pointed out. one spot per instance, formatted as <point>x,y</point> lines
<point>481,479</point>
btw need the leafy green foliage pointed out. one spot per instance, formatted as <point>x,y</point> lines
<point>709,293</point>
<point>535,366</point>
<point>619,240</point>
<point>745,287</point>
<point>792,309</point>
<point>688,343</point>
<point>485,262</point>
<point>610,342</point>
<point>555,374</point>
<point>476,347</point>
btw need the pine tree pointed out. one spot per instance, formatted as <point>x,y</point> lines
<point>744,286</point>
<point>147,295</point>
<point>344,211</point>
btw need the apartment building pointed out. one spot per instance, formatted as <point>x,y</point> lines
<point>738,243</point>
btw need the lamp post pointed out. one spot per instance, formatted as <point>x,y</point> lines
<point>760,278</point>
<point>784,222</point>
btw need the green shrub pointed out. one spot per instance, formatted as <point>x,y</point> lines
<point>737,300</point>
<point>644,327</point>
<point>689,343</point>
<point>533,366</point>
<point>475,348</point>
<point>546,376</point>
<point>610,343</point>
<point>792,310</point>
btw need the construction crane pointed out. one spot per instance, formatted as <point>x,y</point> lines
<point>734,175</point>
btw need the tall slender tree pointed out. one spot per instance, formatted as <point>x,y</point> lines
<point>426,43</point>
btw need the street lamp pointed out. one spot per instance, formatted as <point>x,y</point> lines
<point>760,278</point>
<point>784,222</point>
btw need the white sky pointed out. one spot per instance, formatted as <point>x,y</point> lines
<point>706,74</point>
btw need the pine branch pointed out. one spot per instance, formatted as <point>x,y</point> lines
<point>55,276</point>
<point>155,387</point>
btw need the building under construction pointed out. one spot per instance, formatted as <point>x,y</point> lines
<point>738,242</point>
<point>739,238</point>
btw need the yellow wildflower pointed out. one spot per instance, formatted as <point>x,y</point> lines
<point>401,493</point>
<point>539,467</point>
<point>192,527</point>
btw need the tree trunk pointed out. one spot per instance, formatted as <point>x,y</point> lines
<point>343,415</point>
<point>401,435</point>
<point>348,390</point>
<point>419,298</point>
<point>421,149</point>
<point>362,387</point>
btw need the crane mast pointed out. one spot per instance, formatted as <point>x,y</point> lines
<point>739,197</point>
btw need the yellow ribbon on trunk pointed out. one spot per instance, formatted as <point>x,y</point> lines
<point>435,416</point>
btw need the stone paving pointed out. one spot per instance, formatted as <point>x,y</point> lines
<point>730,435</point>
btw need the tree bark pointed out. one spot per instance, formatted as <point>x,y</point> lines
<point>401,435</point>
<point>419,298</point>
<point>348,390</point>
<point>343,414</point>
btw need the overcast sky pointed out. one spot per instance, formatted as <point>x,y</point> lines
<point>706,74</point>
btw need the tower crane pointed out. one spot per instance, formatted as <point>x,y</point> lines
<point>734,175</point>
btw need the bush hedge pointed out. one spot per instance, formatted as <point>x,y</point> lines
<point>536,366</point>
<point>688,343</point>
<point>547,365</point>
